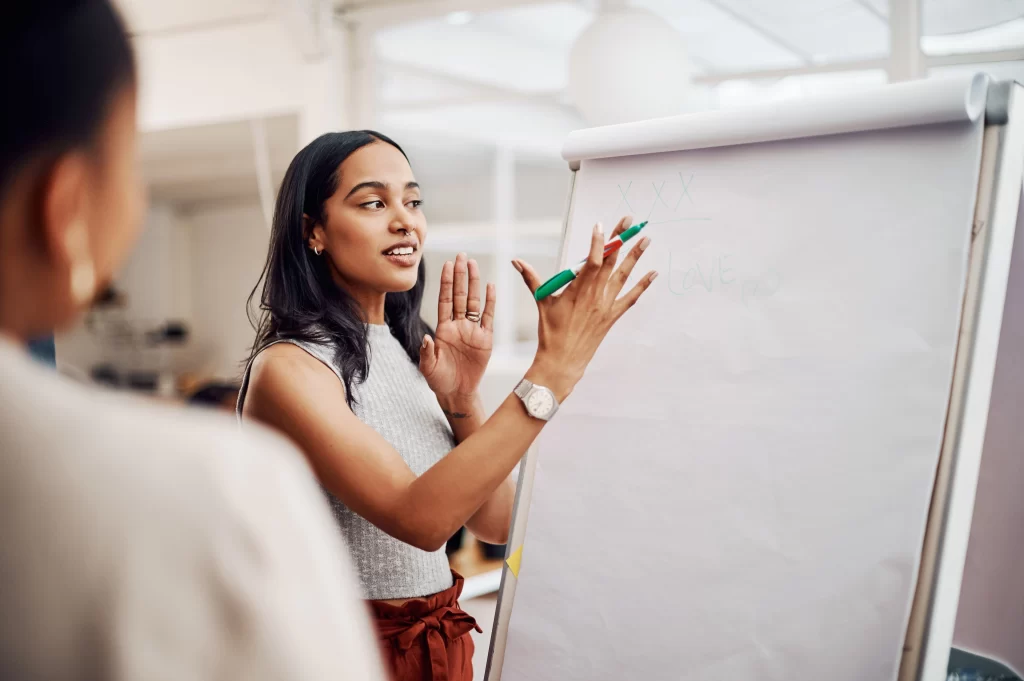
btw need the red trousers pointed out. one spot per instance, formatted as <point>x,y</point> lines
<point>427,639</point>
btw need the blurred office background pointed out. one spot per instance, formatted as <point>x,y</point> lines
<point>481,93</point>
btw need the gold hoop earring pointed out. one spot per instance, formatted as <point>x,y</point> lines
<point>83,273</point>
<point>83,281</point>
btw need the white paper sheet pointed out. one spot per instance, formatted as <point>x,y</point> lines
<point>990,616</point>
<point>738,488</point>
<point>921,102</point>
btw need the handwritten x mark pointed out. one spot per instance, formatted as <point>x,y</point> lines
<point>686,193</point>
<point>624,193</point>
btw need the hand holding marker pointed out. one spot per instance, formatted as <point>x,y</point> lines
<point>565,276</point>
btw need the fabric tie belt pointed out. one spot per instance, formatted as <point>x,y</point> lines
<point>445,623</point>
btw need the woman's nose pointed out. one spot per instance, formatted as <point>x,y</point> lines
<point>403,221</point>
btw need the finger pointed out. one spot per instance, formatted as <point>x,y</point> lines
<point>622,226</point>
<point>583,281</point>
<point>473,299</point>
<point>629,300</point>
<point>573,289</point>
<point>487,320</point>
<point>608,264</point>
<point>533,282</point>
<point>428,358</point>
<point>444,298</point>
<point>618,280</point>
<point>596,255</point>
<point>460,289</point>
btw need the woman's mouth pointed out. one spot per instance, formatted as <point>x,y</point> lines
<point>403,256</point>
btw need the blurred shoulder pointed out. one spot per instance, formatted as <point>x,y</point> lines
<point>200,535</point>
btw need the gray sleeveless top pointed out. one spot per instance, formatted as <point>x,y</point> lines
<point>396,401</point>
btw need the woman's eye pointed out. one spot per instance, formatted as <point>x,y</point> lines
<point>375,205</point>
<point>416,203</point>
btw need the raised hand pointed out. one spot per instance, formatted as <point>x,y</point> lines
<point>573,323</point>
<point>453,362</point>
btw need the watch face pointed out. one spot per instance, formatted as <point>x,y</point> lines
<point>540,402</point>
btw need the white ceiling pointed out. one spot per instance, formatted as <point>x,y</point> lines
<point>194,167</point>
<point>210,163</point>
<point>525,49</point>
<point>157,16</point>
<point>499,76</point>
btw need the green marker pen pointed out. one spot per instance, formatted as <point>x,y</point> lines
<point>565,276</point>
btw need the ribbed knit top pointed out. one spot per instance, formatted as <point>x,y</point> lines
<point>395,401</point>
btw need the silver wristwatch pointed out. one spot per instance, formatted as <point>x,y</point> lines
<point>539,401</point>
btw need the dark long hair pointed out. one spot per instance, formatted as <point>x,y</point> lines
<point>300,299</point>
<point>61,63</point>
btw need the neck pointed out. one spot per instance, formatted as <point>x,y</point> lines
<point>15,319</point>
<point>28,293</point>
<point>373,308</point>
<point>26,317</point>
<point>7,337</point>
<point>370,302</point>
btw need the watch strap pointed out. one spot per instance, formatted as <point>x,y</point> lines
<point>523,389</point>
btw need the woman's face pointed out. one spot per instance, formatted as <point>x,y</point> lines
<point>373,230</point>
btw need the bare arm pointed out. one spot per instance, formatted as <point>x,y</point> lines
<point>492,521</point>
<point>295,393</point>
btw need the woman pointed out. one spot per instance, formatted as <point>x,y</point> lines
<point>387,411</point>
<point>139,542</point>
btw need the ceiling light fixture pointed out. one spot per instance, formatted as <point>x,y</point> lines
<point>629,64</point>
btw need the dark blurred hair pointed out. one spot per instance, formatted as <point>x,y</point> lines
<point>214,394</point>
<point>300,299</point>
<point>61,63</point>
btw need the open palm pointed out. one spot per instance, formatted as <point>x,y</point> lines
<point>453,362</point>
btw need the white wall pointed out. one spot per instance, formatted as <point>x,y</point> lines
<point>155,282</point>
<point>228,249</point>
<point>217,74</point>
<point>157,274</point>
<point>542,190</point>
<point>197,267</point>
<point>457,199</point>
<point>239,71</point>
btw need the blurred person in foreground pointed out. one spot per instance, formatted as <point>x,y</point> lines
<point>139,541</point>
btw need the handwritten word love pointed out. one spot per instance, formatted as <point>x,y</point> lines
<point>716,274</point>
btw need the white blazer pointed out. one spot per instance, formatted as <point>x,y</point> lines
<point>139,541</point>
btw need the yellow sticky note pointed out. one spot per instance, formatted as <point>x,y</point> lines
<point>514,560</point>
